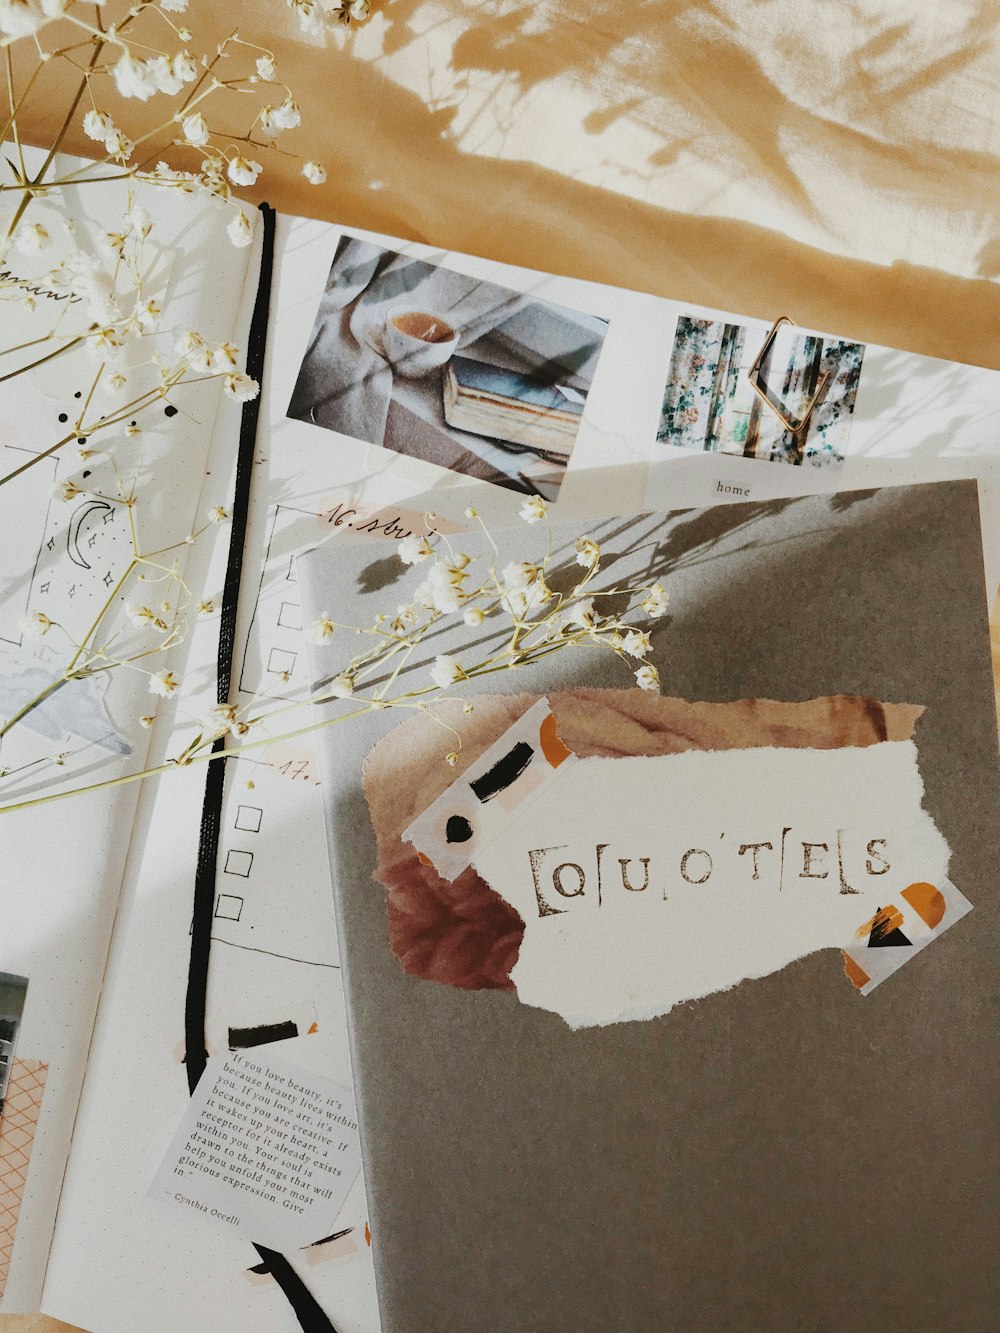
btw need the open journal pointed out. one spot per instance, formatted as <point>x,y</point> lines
<point>397,379</point>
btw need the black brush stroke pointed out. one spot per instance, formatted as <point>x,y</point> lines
<point>241,1039</point>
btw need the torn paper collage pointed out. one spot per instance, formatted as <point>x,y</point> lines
<point>763,830</point>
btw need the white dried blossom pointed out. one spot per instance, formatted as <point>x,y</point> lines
<point>195,129</point>
<point>218,720</point>
<point>242,171</point>
<point>636,643</point>
<point>647,677</point>
<point>587,552</point>
<point>139,220</point>
<point>161,71</point>
<point>174,6</point>
<point>65,491</point>
<point>200,360</point>
<point>20,18</point>
<point>34,624</point>
<point>98,125</point>
<point>321,629</point>
<point>518,575</point>
<point>217,514</point>
<point>134,78</point>
<point>164,683</point>
<point>655,602</point>
<point>314,172</point>
<point>226,356</point>
<point>119,145</point>
<point>187,342</point>
<point>147,721</point>
<point>241,387</point>
<point>239,230</point>
<point>342,687</point>
<point>533,509</point>
<point>144,616</point>
<point>116,382</point>
<point>582,613</point>
<point>286,116</point>
<point>474,615</point>
<point>149,312</point>
<point>266,67</point>
<point>185,67</point>
<point>266,125</point>
<point>414,548</point>
<point>31,238</point>
<point>446,671</point>
<point>205,607</point>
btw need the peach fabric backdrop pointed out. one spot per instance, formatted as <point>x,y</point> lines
<point>832,159</point>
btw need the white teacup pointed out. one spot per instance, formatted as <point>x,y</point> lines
<point>417,340</point>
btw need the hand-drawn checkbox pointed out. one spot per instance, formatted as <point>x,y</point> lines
<point>290,615</point>
<point>238,863</point>
<point>229,906</point>
<point>248,818</point>
<point>279,661</point>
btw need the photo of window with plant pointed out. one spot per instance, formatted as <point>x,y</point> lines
<point>709,403</point>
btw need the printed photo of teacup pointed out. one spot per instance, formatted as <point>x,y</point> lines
<point>417,341</point>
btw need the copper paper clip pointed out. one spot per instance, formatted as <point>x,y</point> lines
<point>760,388</point>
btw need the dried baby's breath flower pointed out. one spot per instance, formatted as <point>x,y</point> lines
<point>321,629</point>
<point>164,683</point>
<point>533,509</point>
<point>218,514</point>
<point>314,172</point>
<point>582,613</point>
<point>266,67</point>
<point>98,125</point>
<point>636,643</point>
<point>242,171</point>
<point>474,615</point>
<point>446,671</point>
<point>206,606</point>
<point>241,387</point>
<point>655,602</point>
<point>342,687</point>
<point>414,548</point>
<point>226,357</point>
<point>31,238</point>
<point>239,230</point>
<point>587,552</point>
<point>66,491</point>
<point>195,129</point>
<point>647,677</point>
<point>34,624</point>
<point>147,721</point>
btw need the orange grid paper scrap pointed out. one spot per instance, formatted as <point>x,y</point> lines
<point>17,1135</point>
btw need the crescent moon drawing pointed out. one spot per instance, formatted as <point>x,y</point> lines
<point>75,526</point>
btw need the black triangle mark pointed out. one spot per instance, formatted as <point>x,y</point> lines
<point>881,938</point>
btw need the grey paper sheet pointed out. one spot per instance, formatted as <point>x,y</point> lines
<point>783,1156</point>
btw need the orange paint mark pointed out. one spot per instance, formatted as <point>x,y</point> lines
<point>368,1236</point>
<point>554,748</point>
<point>854,973</point>
<point>313,1027</point>
<point>886,919</point>
<point>424,859</point>
<point>927,901</point>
